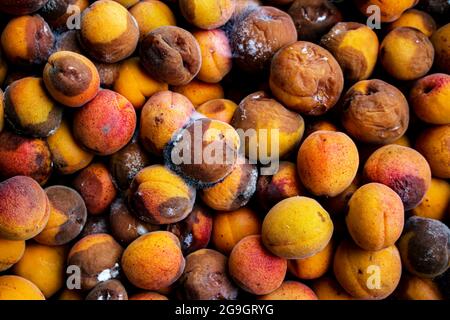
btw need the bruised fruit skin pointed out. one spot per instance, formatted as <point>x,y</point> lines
<point>95,185</point>
<point>30,110</point>
<point>68,216</point>
<point>417,19</point>
<point>375,217</point>
<point>109,72</point>
<point>402,169</point>
<point>230,227</point>
<point>425,247</point>
<point>314,266</point>
<point>159,196</point>
<point>162,116</point>
<point>406,53</point>
<point>96,224</point>
<point>355,47</point>
<point>199,92</point>
<point>434,145</point>
<point>206,277</point>
<point>135,84</point>
<point>108,39</point>
<point>327,162</point>
<point>285,183</point>
<point>44,266</point>
<point>264,116</point>
<point>390,10</point>
<point>153,261</point>
<point>194,232</point>
<point>435,202</point>
<point>171,54</point>
<point>291,290</point>
<point>306,78</point>
<point>21,7</point>
<point>152,14</point>
<point>27,41</point>
<point>216,55</point>
<point>58,13</point>
<point>429,97</point>
<point>415,288</point>
<point>329,289</point>
<point>148,296</point>
<point>18,288</point>
<point>105,124</point>
<point>207,15</point>
<point>108,290</point>
<point>98,257</point>
<point>24,156</point>
<point>441,43</point>
<point>353,268</point>
<point>296,228</point>
<point>11,251</point>
<point>235,190</point>
<point>218,109</point>
<point>71,79</point>
<point>254,269</point>
<point>68,156</point>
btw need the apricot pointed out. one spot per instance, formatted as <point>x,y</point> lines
<point>327,162</point>
<point>152,14</point>
<point>235,190</point>
<point>402,169</point>
<point>27,41</point>
<point>317,125</point>
<point>135,84</point>
<point>60,14</point>
<point>375,217</point>
<point>218,109</point>
<point>108,39</point>
<point>96,187</point>
<point>429,97</point>
<point>231,227</point>
<point>24,156</point>
<point>162,116</point>
<point>337,206</point>
<point>11,251</point>
<point>158,196</point>
<point>435,201</point>
<point>390,11</point>
<point>108,290</point>
<point>415,288</point>
<point>68,216</point>
<point>355,269</point>
<point>109,72</point>
<point>291,290</point>
<point>199,92</point>
<point>68,294</point>
<point>96,224</point>
<point>127,3</point>
<point>425,247</point>
<point>345,41</point>
<point>441,43</point>
<point>257,35</point>
<point>3,68</point>
<point>275,130</point>
<point>434,145</point>
<point>18,288</point>
<point>171,54</point>
<point>406,53</point>
<point>105,124</point>
<point>148,296</point>
<point>216,55</point>
<point>306,78</point>
<point>327,288</point>
<point>153,261</point>
<point>98,257</point>
<point>24,208</point>
<point>29,110</point>
<point>417,19</point>
<point>207,14</point>
<point>296,228</point>
<point>71,79</point>
<point>314,266</point>
<point>44,266</point>
<point>244,6</point>
<point>437,7</point>
<point>21,7</point>
<point>67,155</point>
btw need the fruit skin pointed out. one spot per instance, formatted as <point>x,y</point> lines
<point>11,251</point>
<point>291,290</point>
<point>153,261</point>
<point>108,290</point>
<point>296,228</point>
<point>435,202</point>
<point>314,266</point>
<point>415,288</point>
<point>21,7</point>
<point>327,162</point>
<point>18,288</point>
<point>58,12</point>
<point>416,19</point>
<point>148,296</point>
<point>207,14</point>
<point>375,217</point>
<point>327,288</point>
<point>390,11</point>
<point>354,267</point>
<point>199,92</point>
<point>218,109</point>
<point>441,43</point>
<point>254,269</point>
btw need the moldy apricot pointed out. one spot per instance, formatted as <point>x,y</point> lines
<point>57,13</point>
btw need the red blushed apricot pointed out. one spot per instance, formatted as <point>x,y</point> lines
<point>390,11</point>
<point>199,92</point>
<point>291,290</point>
<point>218,109</point>
<point>24,208</point>
<point>315,266</point>
<point>18,288</point>
<point>71,79</point>
<point>96,187</point>
<point>254,269</point>
<point>148,296</point>
<point>329,289</point>
<point>24,156</point>
<point>216,55</point>
<point>402,169</point>
<point>106,124</point>
<point>153,261</point>
<point>11,251</point>
<point>415,288</point>
<point>415,19</point>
